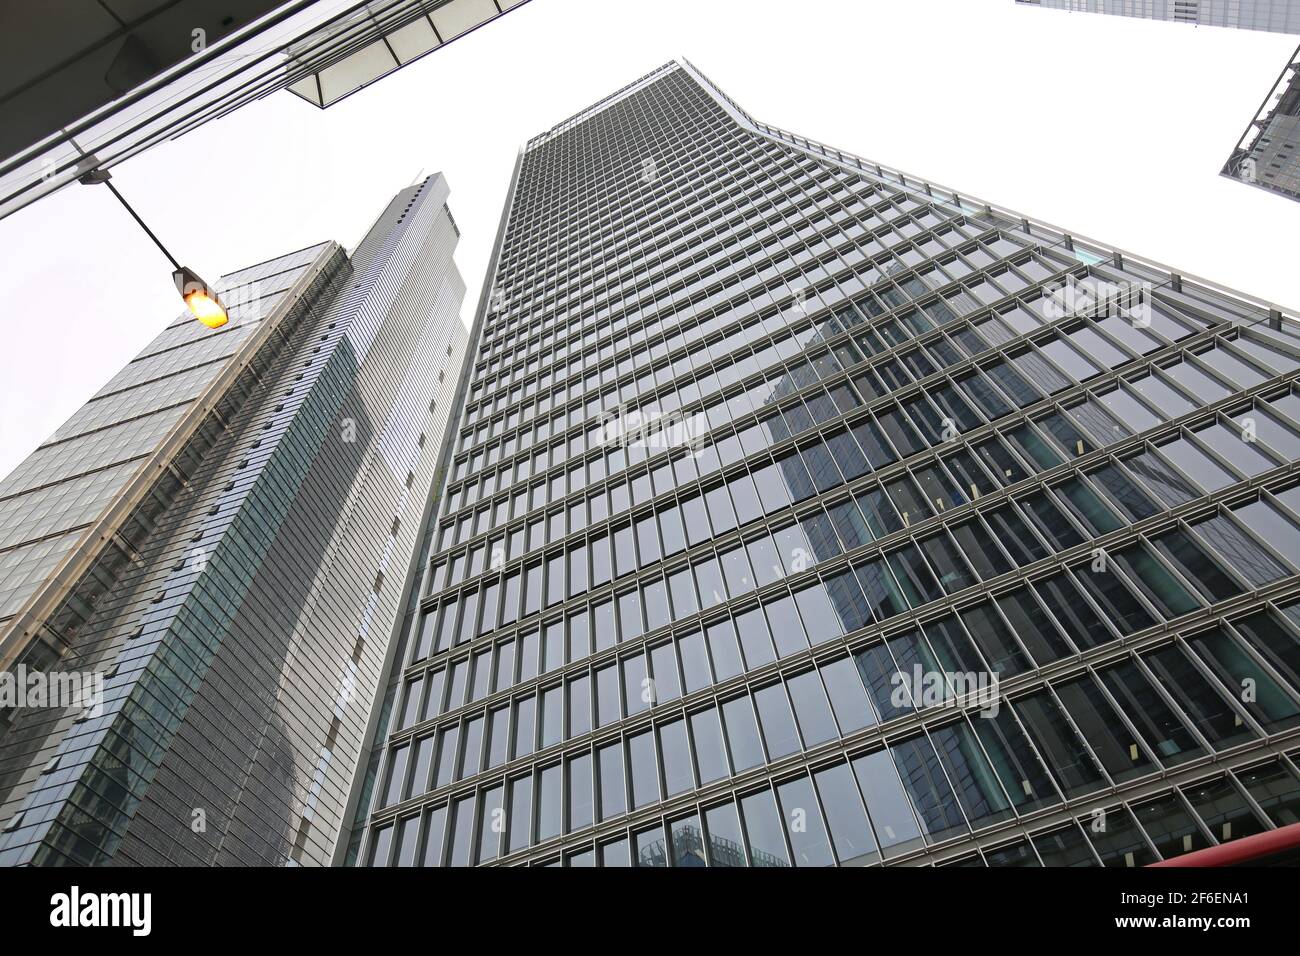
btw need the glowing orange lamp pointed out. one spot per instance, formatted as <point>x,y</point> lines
<point>200,298</point>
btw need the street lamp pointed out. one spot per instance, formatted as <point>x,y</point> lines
<point>200,298</point>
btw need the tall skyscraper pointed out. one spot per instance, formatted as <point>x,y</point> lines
<point>1275,16</point>
<point>802,512</point>
<point>220,542</point>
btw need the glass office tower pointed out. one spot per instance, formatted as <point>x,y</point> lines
<point>1276,16</point>
<point>223,537</point>
<point>805,513</point>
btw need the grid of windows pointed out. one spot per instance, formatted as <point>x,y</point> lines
<point>860,439</point>
<point>242,643</point>
<point>1278,16</point>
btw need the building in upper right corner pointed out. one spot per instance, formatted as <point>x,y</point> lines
<point>1268,153</point>
<point>1274,16</point>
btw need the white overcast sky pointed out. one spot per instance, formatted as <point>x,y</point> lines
<point>1113,127</point>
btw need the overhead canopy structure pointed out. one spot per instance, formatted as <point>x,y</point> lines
<point>63,59</point>
<point>381,38</point>
<point>85,84</point>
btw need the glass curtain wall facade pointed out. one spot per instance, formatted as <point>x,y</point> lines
<point>240,607</point>
<point>1268,153</point>
<point>1275,16</point>
<point>926,533</point>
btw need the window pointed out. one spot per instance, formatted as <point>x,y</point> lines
<point>754,638</point>
<point>1072,611</point>
<point>1065,847</point>
<point>1194,463</point>
<point>818,614</point>
<point>1106,731</point>
<point>877,669</point>
<point>1276,642</point>
<point>638,691</point>
<point>980,550</point>
<point>462,831</point>
<point>644,769</point>
<point>490,813</point>
<point>1195,565</point>
<point>608,708</point>
<point>975,782</point>
<point>887,805</point>
<point>1065,753</point>
<point>396,775</point>
<point>1207,707</point>
<point>580,792</point>
<point>995,639</point>
<point>763,827</point>
<point>710,750</point>
<point>1023,776</point>
<point>811,709</point>
<point>681,585</point>
<point>1268,523</point>
<point>1033,626</point>
<point>549,806</point>
<point>694,662</point>
<point>846,816</point>
<point>448,738</point>
<point>629,616</point>
<point>498,736</point>
<point>610,765</point>
<point>778,725</point>
<point>742,733</point>
<point>804,824</point>
<point>880,588</point>
<point>1270,705</point>
<point>914,576</point>
<point>927,785</point>
<point>1161,729</point>
<point>676,751</point>
<point>434,823</point>
<point>1118,840</point>
<point>1276,789</point>
<point>471,756</point>
<point>848,698</point>
<point>721,638</point>
<point>1223,808</point>
<point>1116,601</point>
<point>1155,581</point>
<point>724,840</point>
<point>953,572</point>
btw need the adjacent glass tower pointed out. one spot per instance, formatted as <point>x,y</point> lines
<point>224,535</point>
<point>804,513</point>
<point>1277,16</point>
<point>1268,153</point>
